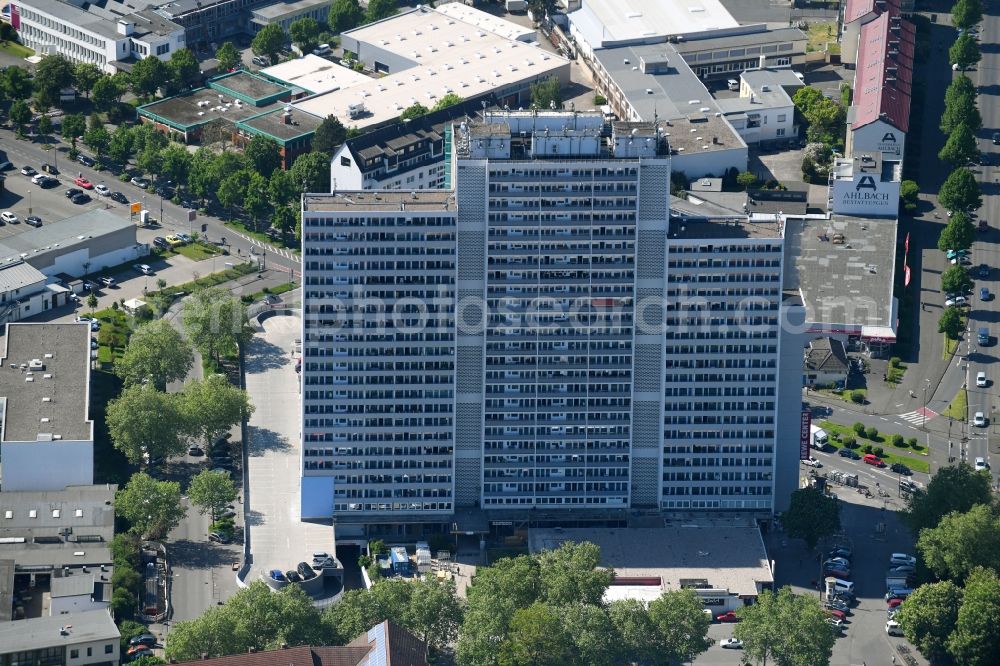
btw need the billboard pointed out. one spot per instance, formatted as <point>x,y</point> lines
<point>805,434</point>
<point>866,194</point>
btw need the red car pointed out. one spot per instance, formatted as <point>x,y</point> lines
<point>728,616</point>
<point>872,459</point>
<point>840,615</point>
<point>895,601</point>
<point>84,183</point>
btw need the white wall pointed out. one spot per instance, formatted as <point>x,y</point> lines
<point>865,194</point>
<point>97,653</point>
<point>771,121</point>
<point>75,604</point>
<point>714,162</point>
<point>72,263</point>
<point>878,136</point>
<point>344,177</point>
<point>47,465</point>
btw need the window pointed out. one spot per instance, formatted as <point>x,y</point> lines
<point>782,117</point>
<point>345,161</point>
<point>74,654</point>
<point>162,48</point>
<point>109,648</point>
<point>780,131</point>
<point>90,652</point>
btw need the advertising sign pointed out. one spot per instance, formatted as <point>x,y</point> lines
<point>805,434</point>
<point>866,194</point>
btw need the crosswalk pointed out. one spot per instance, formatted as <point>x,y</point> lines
<point>919,416</point>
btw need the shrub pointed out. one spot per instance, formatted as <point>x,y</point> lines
<point>858,397</point>
<point>898,440</point>
<point>867,448</point>
<point>916,446</point>
<point>859,429</point>
<point>127,578</point>
<point>871,432</point>
<point>879,451</point>
<point>850,442</point>
<point>895,362</point>
<point>123,604</point>
<point>912,442</point>
<point>600,99</point>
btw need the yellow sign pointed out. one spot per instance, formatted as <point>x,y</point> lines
<point>135,207</point>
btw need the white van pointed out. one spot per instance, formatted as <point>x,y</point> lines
<point>733,84</point>
<point>322,50</point>
<point>893,628</point>
<point>842,586</point>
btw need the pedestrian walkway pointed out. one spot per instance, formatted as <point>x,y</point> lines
<point>287,254</point>
<point>919,417</point>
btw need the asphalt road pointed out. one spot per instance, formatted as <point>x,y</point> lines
<point>172,218</point>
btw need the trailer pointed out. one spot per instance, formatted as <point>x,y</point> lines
<point>399,561</point>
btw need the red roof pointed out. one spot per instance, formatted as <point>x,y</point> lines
<point>857,9</point>
<point>883,79</point>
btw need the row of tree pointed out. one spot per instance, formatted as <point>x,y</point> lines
<point>152,508</point>
<point>954,617</point>
<point>964,52</point>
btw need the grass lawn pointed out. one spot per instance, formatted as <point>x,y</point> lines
<point>820,34</point>
<point>16,50</point>
<point>950,347</point>
<point>257,295</point>
<point>845,394</point>
<point>198,251</point>
<point>959,407</point>
<point>837,431</point>
<point>163,298</point>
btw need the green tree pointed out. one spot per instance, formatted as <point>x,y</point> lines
<point>147,137</point>
<point>950,323</point>
<point>681,626</point>
<point>120,147</point>
<point>184,68</point>
<point>92,302</point>
<point>97,139</point>
<point>964,52</point>
<point>269,41</point>
<point>635,630</point>
<point>961,542</point>
<point>785,628</point>
<point>304,33</point>
<point>144,420</point>
<point>450,99</point>
<point>202,174</point>
<point>176,163</point>
<point>960,147</point>
<point>380,9</point>
<point>826,120</point>
<point>73,125</point>
<point>413,111</point>
<point>108,92</point>
<point>956,280</point>
<point>570,574</point>
<point>122,604</point>
<point>909,192</point>
<point>536,637</point>
<point>148,75</point>
<point>929,618</point>
<point>254,618</point>
<point>283,219</point>
<point>256,199</point>
<point>966,13</point>
<point>330,134</point>
<point>216,322</point>
<point>811,515</point>
<point>20,115</point>
<point>960,107</point>
<point>313,171</point>
<point>150,160</point>
<point>211,492</point>
<point>45,126</point>
<point>156,352</point>
<point>746,179</point>
<point>281,188</point>
<point>977,632</point>
<point>129,629</point>
<point>344,15</point>
<point>213,405</point>
<point>16,83</point>
<point>960,191</point>
<point>151,507</point>
<point>228,56</point>
<point>433,613</point>
<point>546,94</point>
<point>85,75</point>
<point>958,234</point>
<point>53,73</point>
<point>594,636</point>
<point>232,189</point>
<point>263,155</point>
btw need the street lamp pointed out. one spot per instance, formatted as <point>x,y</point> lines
<point>29,202</point>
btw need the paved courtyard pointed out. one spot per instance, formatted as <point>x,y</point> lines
<point>278,539</point>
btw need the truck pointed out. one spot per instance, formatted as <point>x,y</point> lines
<point>400,560</point>
<point>817,437</point>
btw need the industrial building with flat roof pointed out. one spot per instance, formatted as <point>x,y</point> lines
<point>723,561</point>
<point>313,75</point>
<point>81,639</point>
<point>425,55</point>
<point>47,438</point>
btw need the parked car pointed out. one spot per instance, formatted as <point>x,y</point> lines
<point>108,282</point>
<point>981,380</point>
<point>984,271</point>
<point>94,324</point>
<point>134,656</point>
<point>119,197</point>
<point>139,182</point>
<point>143,268</point>
<point>839,614</point>
<point>50,169</point>
<point>841,551</point>
<point>276,574</point>
<point>85,161</point>
<point>894,602</point>
<point>148,640</point>
<point>837,605</point>
<point>161,242</point>
<point>984,294</point>
<point>102,189</point>
<point>305,571</point>
<point>728,616</point>
<point>84,183</point>
<point>33,221</point>
<point>902,559</point>
<point>48,182</point>
<point>28,171</point>
<point>731,644</point>
<point>218,537</point>
<point>900,468</point>
<point>293,576</point>
<point>872,459</point>
<point>8,217</point>
<point>903,569</point>
<point>80,199</point>
<point>979,420</point>
<point>837,562</point>
<point>184,237</point>
<point>893,628</point>
<point>957,300</point>
<point>848,453</point>
<point>174,240</point>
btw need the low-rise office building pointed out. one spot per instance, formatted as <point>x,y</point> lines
<point>866,185</point>
<point>83,639</point>
<point>286,12</point>
<point>47,440</point>
<point>764,112</point>
<point>105,34</point>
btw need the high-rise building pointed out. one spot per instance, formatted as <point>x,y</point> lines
<point>542,337</point>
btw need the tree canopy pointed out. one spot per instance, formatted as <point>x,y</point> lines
<point>313,171</point>
<point>215,322</point>
<point>960,147</point>
<point>228,56</point>
<point>85,75</point>
<point>143,420</point>
<point>966,13</point>
<point>960,107</point>
<point>263,155</point>
<point>211,492</point>
<point>148,75</point>
<point>184,68</point>
<point>269,42</point>
<point>960,191</point>
<point>344,15</point>
<point>450,99</point>
<point>546,94</point>
<point>213,405</point>
<point>415,110</point>
<point>811,515</point>
<point>952,488</point>
<point>824,117</point>
<point>964,52</point>
<point>380,9</point>
<point>950,322</point>
<point>958,234</point>
<point>961,542</point>
<point>151,507</point>
<point>304,33</point>
<point>155,352</point>
<point>977,632</point>
<point>785,628</point>
<point>929,616</point>
<point>330,134</point>
<point>53,73</point>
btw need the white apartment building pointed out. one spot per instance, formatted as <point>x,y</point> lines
<point>763,112</point>
<point>89,638</point>
<point>582,351</point>
<point>95,33</point>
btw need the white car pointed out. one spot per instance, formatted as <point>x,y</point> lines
<point>8,217</point>
<point>102,189</point>
<point>981,379</point>
<point>981,464</point>
<point>893,628</point>
<point>902,559</point>
<point>731,643</point>
<point>812,462</point>
<point>979,420</point>
<point>956,300</point>
<point>143,268</point>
